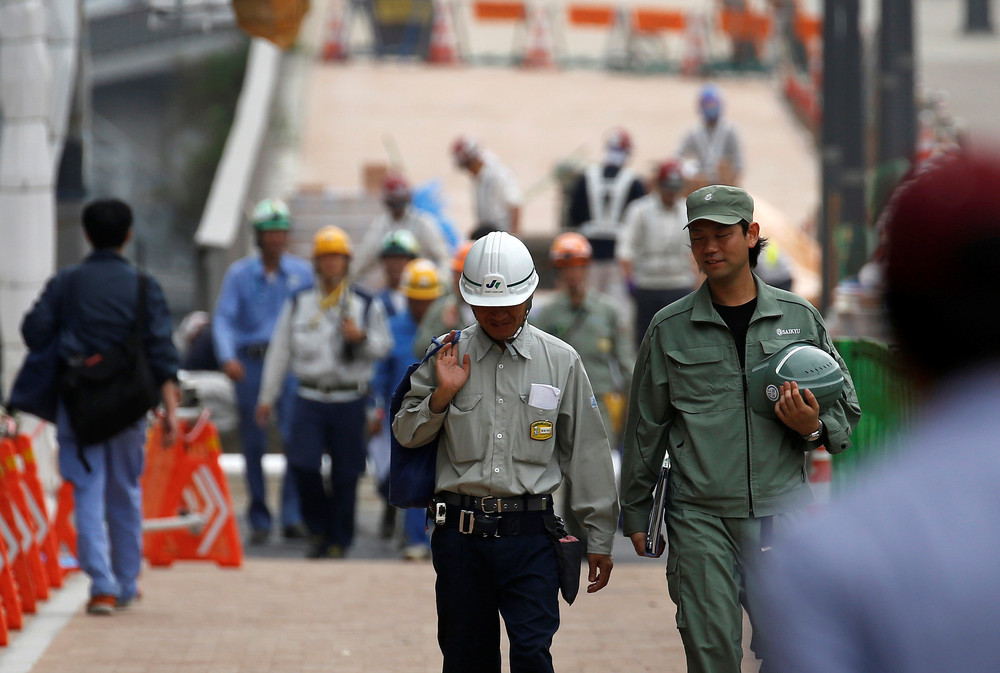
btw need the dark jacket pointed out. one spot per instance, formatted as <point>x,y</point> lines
<point>91,307</point>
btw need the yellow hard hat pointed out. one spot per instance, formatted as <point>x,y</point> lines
<point>331,240</point>
<point>420,280</point>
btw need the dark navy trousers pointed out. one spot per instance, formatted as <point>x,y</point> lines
<point>481,579</point>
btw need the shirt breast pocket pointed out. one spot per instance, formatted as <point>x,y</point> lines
<point>306,345</point>
<point>467,429</point>
<point>698,381</point>
<point>538,429</point>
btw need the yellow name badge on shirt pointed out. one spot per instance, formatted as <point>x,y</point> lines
<point>541,430</point>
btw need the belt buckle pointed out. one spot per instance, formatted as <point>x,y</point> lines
<point>466,521</point>
<point>496,504</point>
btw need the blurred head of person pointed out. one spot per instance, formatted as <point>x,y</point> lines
<point>107,223</point>
<point>331,255</point>
<point>617,147</point>
<point>467,154</point>
<point>396,194</point>
<point>942,243</point>
<point>421,285</point>
<point>457,262</point>
<point>710,103</point>
<point>570,255</point>
<point>398,247</point>
<point>271,221</point>
<point>668,181</point>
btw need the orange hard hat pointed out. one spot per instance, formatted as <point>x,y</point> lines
<point>570,249</point>
<point>458,259</point>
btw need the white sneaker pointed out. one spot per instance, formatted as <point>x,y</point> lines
<point>416,552</point>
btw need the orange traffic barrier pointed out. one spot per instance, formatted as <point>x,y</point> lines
<point>443,48</point>
<point>25,519</point>
<point>591,15</point>
<point>186,480</point>
<point>541,48</point>
<point>9,596</point>
<point>496,10</point>
<point>650,20</point>
<point>17,536</point>
<point>34,495</point>
<point>65,530</point>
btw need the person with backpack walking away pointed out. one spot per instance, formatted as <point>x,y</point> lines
<point>90,310</point>
<point>329,336</point>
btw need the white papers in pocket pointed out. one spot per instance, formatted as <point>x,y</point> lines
<point>544,396</point>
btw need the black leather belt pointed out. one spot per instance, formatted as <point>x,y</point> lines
<point>491,505</point>
<point>255,351</point>
<point>489,516</point>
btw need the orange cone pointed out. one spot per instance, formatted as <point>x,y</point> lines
<point>821,476</point>
<point>540,52</point>
<point>443,49</point>
<point>334,47</point>
<point>187,477</point>
<point>926,138</point>
<point>694,45</point>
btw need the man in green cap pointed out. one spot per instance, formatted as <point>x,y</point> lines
<point>735,475</point>
<point>250,299</point>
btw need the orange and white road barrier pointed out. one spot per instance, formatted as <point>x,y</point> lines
<point>187,511</point>
<point>17,537</point>
<point>25,519</point>
<point>34,495</point>
<point>65,530</point>
<point>335,40</point>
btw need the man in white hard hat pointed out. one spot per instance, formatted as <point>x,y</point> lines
<point>513,411</point>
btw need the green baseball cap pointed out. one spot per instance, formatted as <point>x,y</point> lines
<point>719,203</point>
<point>271,215</point>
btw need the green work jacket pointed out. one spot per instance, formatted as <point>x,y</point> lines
<point>689,396</point>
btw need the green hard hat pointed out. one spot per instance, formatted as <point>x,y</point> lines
<point>271,215</point>
<point>811,367</point>
<point>400,242</point>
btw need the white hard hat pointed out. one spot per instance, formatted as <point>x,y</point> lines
<point>498,271</point>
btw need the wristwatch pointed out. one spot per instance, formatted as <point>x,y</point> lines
<point>815,435</point>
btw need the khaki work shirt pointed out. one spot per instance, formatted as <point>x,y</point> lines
<point>524,420</point>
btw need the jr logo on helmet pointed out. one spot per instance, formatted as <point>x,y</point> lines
<point>495,285</point>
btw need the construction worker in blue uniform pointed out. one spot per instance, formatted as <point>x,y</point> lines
<point>330,335</point>
<point>252,294</point>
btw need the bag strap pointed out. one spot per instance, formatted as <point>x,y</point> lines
<point>438,345</point>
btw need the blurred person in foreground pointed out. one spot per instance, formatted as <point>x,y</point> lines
<point>330,336</point>
<point>514,415</point>
<point>737,476</point>
<point>90,308</point>
<point>590,322</point>
<point>421,285</point>
<point>653,249</point>
<point>900,573</point>
<point>253,291</point>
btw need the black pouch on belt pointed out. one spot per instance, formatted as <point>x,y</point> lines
<point>569,554</point>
